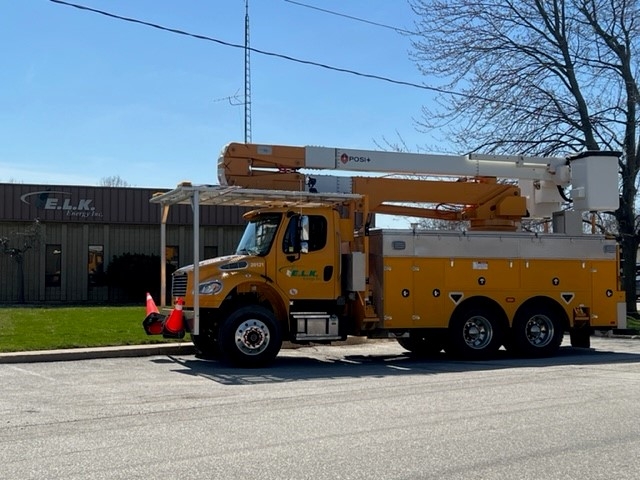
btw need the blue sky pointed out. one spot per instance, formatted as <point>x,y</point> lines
<point>83,96</point>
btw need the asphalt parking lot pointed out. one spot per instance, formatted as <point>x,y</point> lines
<point>364,411</point>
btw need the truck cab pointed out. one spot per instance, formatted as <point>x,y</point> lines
<point>285,270</point>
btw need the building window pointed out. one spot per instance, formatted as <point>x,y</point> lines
<point>52,265</point>
<point>96,266</point>
<point>210,251</point>
<point>172,253</point>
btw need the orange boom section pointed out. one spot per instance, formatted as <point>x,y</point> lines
<point>261,166</point>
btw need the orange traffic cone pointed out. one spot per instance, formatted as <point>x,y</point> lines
<point>152,323</point>
<point>174,327</point>
<point>151,305</point>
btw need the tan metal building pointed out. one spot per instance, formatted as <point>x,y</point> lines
<point>80,229</point>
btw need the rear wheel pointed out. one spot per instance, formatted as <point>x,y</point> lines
<point>537,331</point>
<point>475,332</point>
<point>250,337</point>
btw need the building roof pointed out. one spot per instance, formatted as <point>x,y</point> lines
<point>100,205</point>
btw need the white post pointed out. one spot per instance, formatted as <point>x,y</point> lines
<point>163,254</point>
<point>196,261</point>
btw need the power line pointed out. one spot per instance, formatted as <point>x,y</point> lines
<point>258,51</point>
<point>357,19</point>
<point>293,59</point>
<point>286,57</point>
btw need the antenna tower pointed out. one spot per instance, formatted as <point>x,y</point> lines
<point>247,77</point>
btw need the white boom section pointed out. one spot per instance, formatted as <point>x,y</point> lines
<point>592,176</point>
<point>474,165</point>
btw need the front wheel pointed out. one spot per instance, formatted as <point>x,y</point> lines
<point>250,337</point>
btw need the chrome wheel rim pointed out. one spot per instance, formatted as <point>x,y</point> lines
<point>477,332</point>
<point>252,337</point>
<point>539,330</point>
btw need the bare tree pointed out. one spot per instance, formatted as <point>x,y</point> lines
<point>114,181</point>
<point>543,77</point>
<point>16,245</point>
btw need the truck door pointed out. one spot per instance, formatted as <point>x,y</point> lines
<point>310,275</point>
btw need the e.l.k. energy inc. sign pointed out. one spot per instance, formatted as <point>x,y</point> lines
<point>61,201</point>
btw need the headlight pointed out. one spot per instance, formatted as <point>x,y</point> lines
<point>210,288</point>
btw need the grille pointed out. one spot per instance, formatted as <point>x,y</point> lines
<point>179,286</point>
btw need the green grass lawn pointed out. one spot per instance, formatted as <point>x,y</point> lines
<point>49,328</point>
<point>633,323</point>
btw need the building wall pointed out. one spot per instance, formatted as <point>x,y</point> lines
<point>113,221</point>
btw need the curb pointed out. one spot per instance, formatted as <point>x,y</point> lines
<point>99,352</point>
<point>71,354</point>
<point>186,348</point>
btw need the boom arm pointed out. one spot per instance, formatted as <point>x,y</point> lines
<point>477,195</point>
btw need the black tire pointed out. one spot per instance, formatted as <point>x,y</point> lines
<point>206,342</point>
<point>250,337</point>
<point>537,331</point>
<point>423,344</point>
<point>475,332</point>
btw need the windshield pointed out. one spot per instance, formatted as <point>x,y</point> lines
<point>259,234</point>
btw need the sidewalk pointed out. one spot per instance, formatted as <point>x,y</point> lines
<point>99,352</point>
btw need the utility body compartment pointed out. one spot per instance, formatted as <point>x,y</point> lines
<point>418,278</point>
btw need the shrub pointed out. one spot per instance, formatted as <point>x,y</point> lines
<point>131,275</point>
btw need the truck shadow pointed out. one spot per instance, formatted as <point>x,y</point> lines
<point>287,368</point>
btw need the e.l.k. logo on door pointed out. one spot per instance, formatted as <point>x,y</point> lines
<point>61,201</point>
<point>300,273</point>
